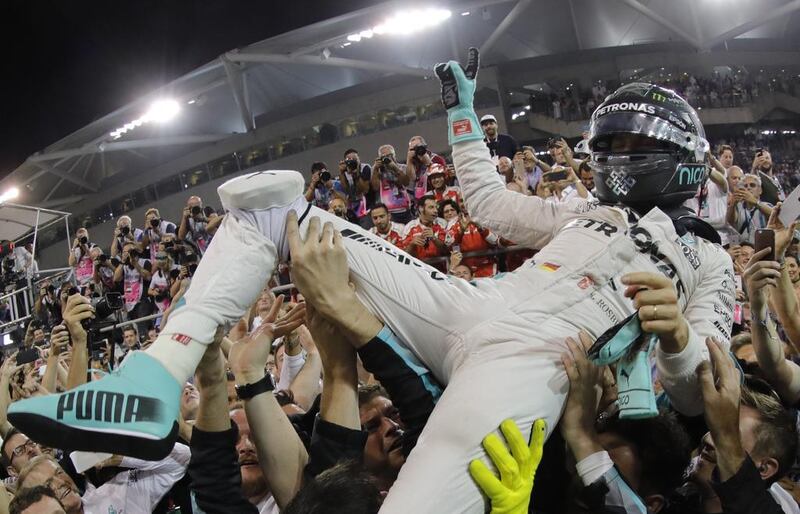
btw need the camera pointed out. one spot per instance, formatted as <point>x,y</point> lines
<point>83,240</point>
<point>160,297</point>
<point>553,141</point>
<point>125,230</point>
<point>325,176</point>
<point>155,222</point>
<point>351,164</point>
<point>196,211</point>
<point>192,268</point>
<point>102,257</point>
<point>420,150</point>
<point>104,307</point>
<point>386,160</point>
<point>174,273</point>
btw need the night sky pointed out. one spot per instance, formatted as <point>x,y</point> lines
<point>68,62</point>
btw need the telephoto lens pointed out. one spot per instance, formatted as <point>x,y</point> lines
<point>197,210</point>
<point>420,150</point>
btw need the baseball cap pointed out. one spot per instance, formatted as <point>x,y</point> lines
<point>488,117</point>
<point>435,169</point>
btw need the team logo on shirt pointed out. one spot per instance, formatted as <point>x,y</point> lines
<point>585,283</point>
<point>549,266</point>
<point>181,338</point>
<point>461,127</point>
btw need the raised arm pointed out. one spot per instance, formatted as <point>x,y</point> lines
<point>783,299</point>
<point>781,373</point>
<point>281,454</point>
<point>526,220</point>
<point>78,309</point>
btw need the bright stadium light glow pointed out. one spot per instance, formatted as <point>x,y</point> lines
<point>10,194</point>
<point>406,22</point>
<point>160,111</point>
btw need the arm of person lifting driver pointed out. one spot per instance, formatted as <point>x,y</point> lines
<point>78,308</point>
<point>281,454</point>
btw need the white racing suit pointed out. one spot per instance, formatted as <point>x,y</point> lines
<point>497,345</point>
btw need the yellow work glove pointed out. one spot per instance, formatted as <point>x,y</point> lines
<point>511,494</point>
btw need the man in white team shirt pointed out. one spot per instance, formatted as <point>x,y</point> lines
<point>711,202</point>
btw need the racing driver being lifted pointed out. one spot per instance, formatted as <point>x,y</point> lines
<point>497,344</point>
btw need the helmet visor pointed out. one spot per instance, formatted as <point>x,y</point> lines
<point>649,126</point>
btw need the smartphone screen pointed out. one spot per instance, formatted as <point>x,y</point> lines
<point>765,238</point>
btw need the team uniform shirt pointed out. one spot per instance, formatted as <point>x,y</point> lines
<point>475,239</point>
<point>140,488</point>
<point>166,227</point>
<point>713,210</point>
<point>449,193</point>
<point>415,228</point>
<point>512,327</point>
<point>84,268</point>
<point>395,234</point>
<point>748,220</point>
<point>133,283</point>
<point>392,194</point>
<point>420,185</point>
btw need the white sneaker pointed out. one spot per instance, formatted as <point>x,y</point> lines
<point>263,199</point>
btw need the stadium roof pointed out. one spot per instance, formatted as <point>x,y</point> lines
<point>243,88</point>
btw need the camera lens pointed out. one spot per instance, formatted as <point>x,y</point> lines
<point>420,150</point>
<point>325,176</point>
<point>83,240</point>
<point>155,222</point>
<point>125,230</point>
<point>196,210</point>
<point>386,160</point>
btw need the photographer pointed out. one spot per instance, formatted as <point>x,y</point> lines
<point>355,180</point>
<point>124,234</point>
<point>47,306</point>
<point>103,270</point>
<point>161,281</point>
<point>391,179</point>
<point>323,187</point>
<point>133,273</point>
<point>418,162</point>
<point>80,259</point>
<point>198,225</point>
<point>563,185</point>
<point>771,191</point>
<point>154,229</point>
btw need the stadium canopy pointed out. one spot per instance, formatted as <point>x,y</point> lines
<point>273,79</point>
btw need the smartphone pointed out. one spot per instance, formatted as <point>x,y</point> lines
<point>765,238</point>
<point>27,356</point>
<point>554,176</point>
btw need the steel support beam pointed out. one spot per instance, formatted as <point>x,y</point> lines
<point>654,16</point>
<point>61,181</point>
<point>756,22</point>
<point>64,200</point>
<point>512,16</point>
<point>236,83</point>
<point>66,176</point>
<point>127,145</point>
<point>331,61</point>
<point>575,25</point>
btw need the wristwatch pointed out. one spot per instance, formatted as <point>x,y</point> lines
<point>247,391</point>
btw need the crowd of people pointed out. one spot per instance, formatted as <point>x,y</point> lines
<point>344,412</point>
<point>714,90</point>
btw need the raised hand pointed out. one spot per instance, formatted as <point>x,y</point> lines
<point>458,91</point>
<point>783,234</point>
<point>248,357</point>
<point>511,494</point>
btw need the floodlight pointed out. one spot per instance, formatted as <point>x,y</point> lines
<point>10,194</point>
<point>162,111</point>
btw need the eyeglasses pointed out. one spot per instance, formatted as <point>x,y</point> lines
<point>750,185</point>
<point>27,445</point>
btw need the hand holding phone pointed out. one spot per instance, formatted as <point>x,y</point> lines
<point>765,238</point>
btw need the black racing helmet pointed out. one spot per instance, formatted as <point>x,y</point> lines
<point>665,165</point>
